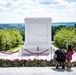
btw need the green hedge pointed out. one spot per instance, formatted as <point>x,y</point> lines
<point>27,63</point>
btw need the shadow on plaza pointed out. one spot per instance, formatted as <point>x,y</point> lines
<point>61,70</point>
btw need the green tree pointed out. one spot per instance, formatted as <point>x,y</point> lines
<point>56,28</point>
<point>75,25</point>
<point>9,38</point>
<point>16,37</point>
<point>3,39</point>
<point>22,32</point>
<point>64,36</point>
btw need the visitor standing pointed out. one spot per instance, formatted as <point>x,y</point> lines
<point>69,54</point>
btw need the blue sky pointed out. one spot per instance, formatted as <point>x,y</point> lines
<point>14,11</point>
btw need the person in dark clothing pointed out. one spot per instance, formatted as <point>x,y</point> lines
<point>60,56</point>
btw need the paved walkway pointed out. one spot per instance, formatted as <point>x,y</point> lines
<point>37,71</point>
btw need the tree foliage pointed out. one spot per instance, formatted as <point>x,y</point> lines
<point>9,38</point>
<point>65,36</point>
<point>56,28</point>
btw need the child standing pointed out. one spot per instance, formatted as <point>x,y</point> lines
<point>69,54</point>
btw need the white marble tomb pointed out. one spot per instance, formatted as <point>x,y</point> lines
<point>37,35</point>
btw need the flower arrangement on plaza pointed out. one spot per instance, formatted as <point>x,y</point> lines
<point>27,63</point>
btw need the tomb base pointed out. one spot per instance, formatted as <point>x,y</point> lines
<point>35,49</point>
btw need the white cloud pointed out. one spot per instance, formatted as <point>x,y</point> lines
<point>59,10</point>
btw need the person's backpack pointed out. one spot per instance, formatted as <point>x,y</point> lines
<point>61,55</point>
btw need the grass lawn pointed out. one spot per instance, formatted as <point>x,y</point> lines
<point>12,49</point>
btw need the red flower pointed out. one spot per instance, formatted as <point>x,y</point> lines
<point>12,60</point>
<point>45,60</point>
<point>24,60</point>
